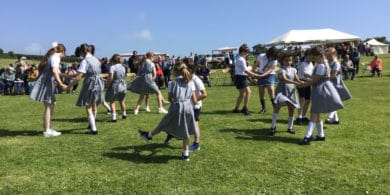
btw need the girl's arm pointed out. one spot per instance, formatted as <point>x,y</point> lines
<point>193,98</point>
<point>203,95</point>
<point>56,73</point>
<point>170,97</point>
<point>315,79</point>
<point>75,80</point>
<point>333,74</point>
<point>266,73</point>
<point>287,80</point>
<point>154,73</point>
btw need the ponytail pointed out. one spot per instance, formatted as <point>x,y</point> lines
<point>58,48</point>
<point>187,76</point>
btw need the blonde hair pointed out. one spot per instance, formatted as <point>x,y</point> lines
<point>184,71</point>
<point>60,48</point>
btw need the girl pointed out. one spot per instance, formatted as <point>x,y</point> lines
<point>117,86</point>
<point>266,64</point>
<point>286,95</point>
<point>337,80</point>
<point>179,122</point>
<point>324,96</point>
<point>44,87</point>
<point>91,93</point>
<point>144,84</point>
<point>241,71</point>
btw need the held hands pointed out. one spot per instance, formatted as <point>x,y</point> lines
<point>63,87</point>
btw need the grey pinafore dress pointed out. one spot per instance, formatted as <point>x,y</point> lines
<point>285,92</point>
<point>92,90</point>
<point>117,89</point>
<point>43,90</point>
<point>324,95</point>
<point>180,121</point>
<point>144,83</point>
<point>339,84</point>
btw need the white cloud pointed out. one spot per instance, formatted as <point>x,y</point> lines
<point>144,34</point>
<point>34,48</point>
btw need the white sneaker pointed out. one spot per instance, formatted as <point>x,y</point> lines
<point>166,102</point>
<point>51,133</point>
<point>135,112</point>
<point>162,111</point>
<point>147,109</point>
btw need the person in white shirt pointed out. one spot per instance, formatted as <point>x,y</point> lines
<point>266,64</point>
<point>305,72</point>
<point>241,71</point>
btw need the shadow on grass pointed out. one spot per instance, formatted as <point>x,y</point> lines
<point>223,112</point>
<point>268,120</point>
<point>10,133</point>
<point>142,154</point>
<point>262,135</point>
<point>72,120</point>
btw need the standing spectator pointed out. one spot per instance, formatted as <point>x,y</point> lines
<point>203,71</point>
<point>105,65</point>
<point>133,63</point>
<point>167,68</point>
<point>43,90</point>
<point>20,80</point>
<point>7,81</point>
<point>159,74</point>
<point>266,64</point>
<point>91,93</point>
<point>241,73</point>
<point>376,66</point>
<point>296,62</point>
<point>356,59</point>
<point>348,67</point>
<point>117,86</point>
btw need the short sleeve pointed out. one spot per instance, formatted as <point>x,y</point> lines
<point>112,69</point>
<point>83,67</point>
<point>191,84</point>
<point>336,66</point>
<point>320,69</point>
<point>199,84</point>
<point>273,63</point>
<point>55,61</point>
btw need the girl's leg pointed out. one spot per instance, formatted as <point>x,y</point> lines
<point>239,99</point>
<point>139,102</point>
<point>275,115</point>
<point>290,118</point>
<point>271,93</point>
<point>147,103</point>
<point>186,152</point>
<point>47,116</point>
<point>91,117</point>
<point>123,109</point>
<point>113,111</point>
<point>161,109</point>
<point>262,100</point>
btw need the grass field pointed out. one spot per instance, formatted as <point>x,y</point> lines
<point>237,156</point>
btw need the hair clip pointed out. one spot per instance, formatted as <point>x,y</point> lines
<point>54,44</point>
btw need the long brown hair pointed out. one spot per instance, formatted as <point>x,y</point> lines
<point>58,49</point>
<point>116,59</point>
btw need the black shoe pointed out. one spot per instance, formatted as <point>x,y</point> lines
<point>245,111</point>
<point>291,131</point>
<point>90,132</point>
<point>144,135</point>
<point>185,158</point>
<point>332,122</point>
<point>262,111</point>
<point>305,120</point>
<point>318,138</point>
<point>272,131</point>
<point>306,141</point>
<point>299,121</point>
<point>89,127</point>
<point>236,110</point>
<point>168,139</point>
<point>124,116</point>
<point>112,121</point>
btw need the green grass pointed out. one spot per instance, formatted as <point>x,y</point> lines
<point>237,156</point>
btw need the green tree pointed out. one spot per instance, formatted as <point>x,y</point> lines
<point>258,49</point>
<point>11,54</point>
<point>1,51</point>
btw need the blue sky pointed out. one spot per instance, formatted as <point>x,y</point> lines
<point>178,26</point>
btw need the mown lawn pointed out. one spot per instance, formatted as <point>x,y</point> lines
<point>237,156</point>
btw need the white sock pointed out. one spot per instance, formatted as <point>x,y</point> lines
<point>274,119</point>
<point>331,115</point>
<point>91,120</point>
<point>106,106</point>
<point>150,134</point>
<point>320,128</point>
<point>310,129</point>
<point>114,116</point>
<point>124,113</point>
<point>336,116</point>
<point>186,152</point>
<point>290,122</point>
<point>300,116</point>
